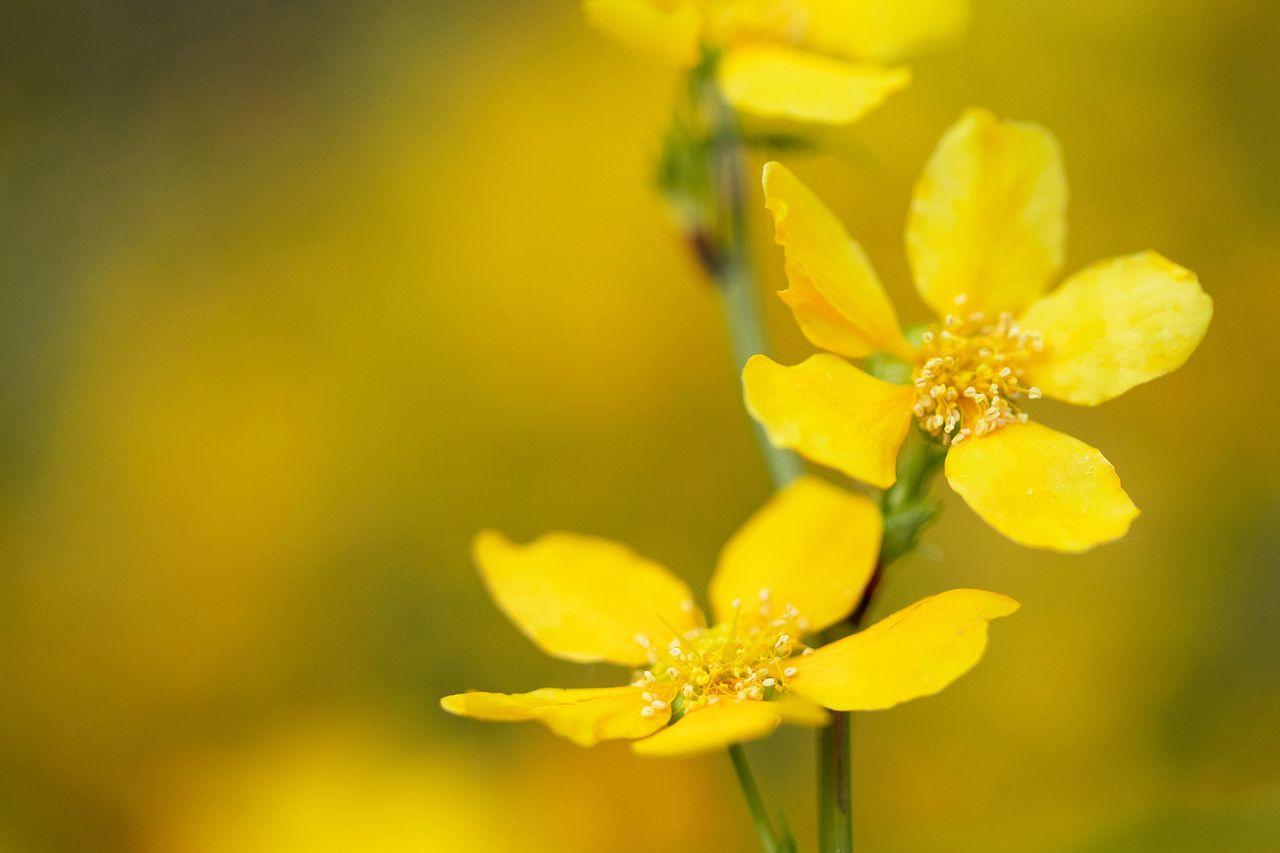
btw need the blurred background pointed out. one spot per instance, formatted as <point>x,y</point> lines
<point>298,296</point>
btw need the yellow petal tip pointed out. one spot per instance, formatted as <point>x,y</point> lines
<point>1000,605</point>
<point>1041,488</point>
<point>988,215</point>
<point>916,652</point>
<point>486,541</point>
<point>1117,324</point>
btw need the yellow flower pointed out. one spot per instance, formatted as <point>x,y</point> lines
<point>812,60</point>
<point>985,236</point>
<point>799,565</point>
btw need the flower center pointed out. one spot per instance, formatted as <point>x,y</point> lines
<point>969,378</point>
<point>741,659</point>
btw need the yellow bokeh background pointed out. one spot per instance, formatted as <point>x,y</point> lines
<point>299,296</point>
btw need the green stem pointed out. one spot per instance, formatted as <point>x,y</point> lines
<point>835,812</point>
<point>730,263</point>
<point>835,745</point>
<point>738,290</point>
<point>769,841</point>
<point>835,748</point>
<point>907,509</point>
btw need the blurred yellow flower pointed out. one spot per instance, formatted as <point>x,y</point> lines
<point>985,235</point>
<point>334,783</point>
<point>799,565</point>
<point>812,60</point>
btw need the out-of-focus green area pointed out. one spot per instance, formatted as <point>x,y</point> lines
<point>297,296</point>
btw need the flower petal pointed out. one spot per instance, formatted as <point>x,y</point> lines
<point>885,31</point>
<point>585,717</point>
<point>1041,487</point>
<point>835,294</point>
<point>812,546</point>
<point>832,413</point>
<point>584,599</point>
<point>673,37</point>
<point>775,81</point>
<point>739,21</point>
<point>712,727</point>
<point>915,652</point>
<point>988,219</point>
<point>1115,325</point>
<point>796,710</point>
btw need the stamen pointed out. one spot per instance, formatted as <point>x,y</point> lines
<point>737,660</point>
<point>970,375</point>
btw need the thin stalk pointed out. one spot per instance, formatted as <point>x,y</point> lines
<point>835,811</point>
<point>907,509</point>
<point>835,749</point>
<point>738,291</point>
<point>731,265</point>
<point>759,816</point>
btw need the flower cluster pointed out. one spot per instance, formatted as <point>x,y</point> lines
<point>824,61</point>
<point>798,566</point>
<point>985,236</point>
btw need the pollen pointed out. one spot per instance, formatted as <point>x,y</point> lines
<point>741,659</point>
<point>969,381</point>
